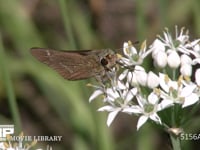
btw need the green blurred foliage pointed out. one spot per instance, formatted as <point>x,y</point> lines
<point>50,105</point>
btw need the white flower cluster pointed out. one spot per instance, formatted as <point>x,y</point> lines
<point>174,79</point>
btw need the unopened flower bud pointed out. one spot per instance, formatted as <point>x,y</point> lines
<point>141,77</point>
<point>161,59</point>
<point>152,80</point>
<point>185,59</point>
<point>173,59</point>
<point>186,70</point>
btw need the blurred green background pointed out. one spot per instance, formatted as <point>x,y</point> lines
<point>40,102</point>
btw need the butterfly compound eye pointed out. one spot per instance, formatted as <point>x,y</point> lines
<point>104,62</point>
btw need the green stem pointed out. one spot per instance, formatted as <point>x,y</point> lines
<point>65,12</point>
<point>175,142</point>
<point>9,88</point>
<point>173,114</point>
<point>174,74</point>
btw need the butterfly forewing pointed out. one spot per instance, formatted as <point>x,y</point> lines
<point>71,65</point>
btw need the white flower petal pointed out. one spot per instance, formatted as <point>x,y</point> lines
<point>133,110</point>
<point>112,94</point>
<point>112,116</point>
<point>155,118</point>
<point>190,100</point>
<point>141,101</point>
<point>106,108</point>
<point>165,104</point>
<point>95,94</point>
<point>196,61</point>
<point>2,146</point>
<point>183,38</point>
<point>141,121</point>
<point>133,50</point>
<point>10,148</point>
<point>121,86</point>
<point>125,61</point>
<point>173,84</point>
<point>153,98</point>
<point>132,78</point>
<point>163,83</point>
<point>123,74</point>
<point>125,47</point>
<point>197,77</point>
<point>131,93</point>
<point>129,50</point>
<point>186,91</point>
<point>139,68</point>
<point>195,44</point>
<point>197,48</point>
<point>168,37</point>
